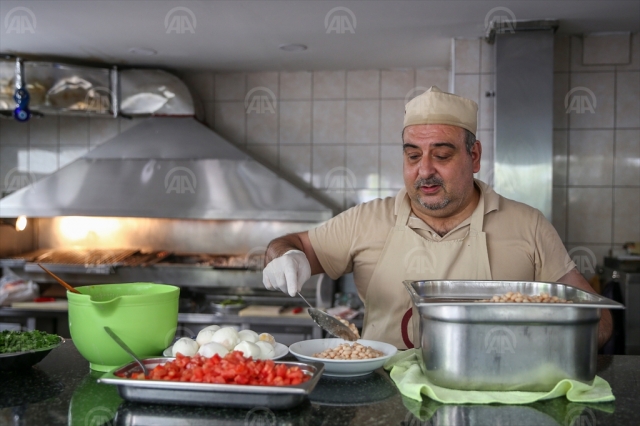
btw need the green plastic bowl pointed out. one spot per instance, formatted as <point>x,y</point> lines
<point>143,315</point>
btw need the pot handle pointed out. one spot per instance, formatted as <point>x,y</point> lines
<point>404,325</point>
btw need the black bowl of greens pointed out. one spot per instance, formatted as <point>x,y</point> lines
<point>22,349</point>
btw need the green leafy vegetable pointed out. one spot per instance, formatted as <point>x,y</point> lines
<point>228,302</point>
<point>20,341</point>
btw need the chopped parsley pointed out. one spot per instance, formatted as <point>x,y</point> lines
<point>20,341</point>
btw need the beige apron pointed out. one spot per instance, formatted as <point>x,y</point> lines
<point>408,256</point>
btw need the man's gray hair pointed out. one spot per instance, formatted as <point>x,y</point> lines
<point>469,140</point>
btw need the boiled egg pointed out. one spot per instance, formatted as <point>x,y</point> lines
<point>266,337</point>
<point>212,327</point>
<point>248,336</point>
<point>185,346</point>
<point>248,349</point>
<point>210,349</point>
<point>227,337</point>
<point>267,350</point>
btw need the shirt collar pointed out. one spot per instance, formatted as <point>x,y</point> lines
<point>491,198</point>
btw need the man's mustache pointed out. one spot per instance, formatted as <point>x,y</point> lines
<point>433,180</point>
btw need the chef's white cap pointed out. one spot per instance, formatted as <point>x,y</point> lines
<point>437,107</point>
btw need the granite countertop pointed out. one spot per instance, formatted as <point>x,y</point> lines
<point>61,390</point>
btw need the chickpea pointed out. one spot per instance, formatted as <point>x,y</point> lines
<point>345,351</point>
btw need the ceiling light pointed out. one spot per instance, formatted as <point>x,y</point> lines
<point>142,51</point>
<point>20,223</point>
<point>292,47</point>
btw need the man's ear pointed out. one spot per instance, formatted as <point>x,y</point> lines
<point>476,155</point>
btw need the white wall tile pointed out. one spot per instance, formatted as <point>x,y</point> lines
<point>384,193</point>
<point>628,99</point>
<point>43,160</point>
<point>329,84</point>
<point>487,58</point>
<point>561,53</point>
<point>43,131</point>
<point>396,84</point>
<point>363,84</point>
<point>268,80</point>
<point>210,114</point>
<point>336,198</point>
<point>328,122</point>
<point>363,118</point>
<point>229,118</point>
<point>329,169</point>
<point>590,157</point>
<point>200,83</point>
<point>468,86</point>
<point>391,121</point>
<point>267,154</point>
<point>606,49</point>
<point>576,58</point>
<point>14,133</point>
<point>560,155</point>
<point>427,77</point>
<point>627,161</point>
<point>68,154</point>
<point>127,123</point>
<point>74,131</point>
<point>295,85</point>
<point>296,160</point>
<point>391,166</point>
<point>583,256</point>
<point>262,127</point>
<point>361,196</point>
<point>487,103</point>
<point>560,90</point>
<point>229,87</point>
<point>362,160</point>
<point>626,217</point>
<point>590,215</point>
<point>559,211</point>
<point>467,56</point>
<point>635,55</point>
<point>295,122</point>
<point>601,84</point>
<point>101,130</point>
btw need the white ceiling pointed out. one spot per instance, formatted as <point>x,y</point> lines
<point>245,35</point>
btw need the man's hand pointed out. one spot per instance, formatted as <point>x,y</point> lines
<point>287,273</point>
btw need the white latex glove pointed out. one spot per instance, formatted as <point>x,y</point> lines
<point>287,273</point>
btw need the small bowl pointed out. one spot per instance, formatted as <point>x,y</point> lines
<point>26,359</point>
<point>342,368</point>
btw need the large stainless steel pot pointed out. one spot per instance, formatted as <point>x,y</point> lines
<point>505,346</point>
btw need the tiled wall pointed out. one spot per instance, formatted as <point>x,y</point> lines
<point>596,173</point>
<point>596,170</point>
<point>323,124</point>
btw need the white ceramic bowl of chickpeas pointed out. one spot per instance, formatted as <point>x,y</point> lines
<point>342,358</point>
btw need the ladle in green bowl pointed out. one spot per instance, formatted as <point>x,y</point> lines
<point>126,348</point>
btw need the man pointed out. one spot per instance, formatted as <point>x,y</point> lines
<point>443,225</point>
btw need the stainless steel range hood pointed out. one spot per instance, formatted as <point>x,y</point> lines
<point>166,168</point>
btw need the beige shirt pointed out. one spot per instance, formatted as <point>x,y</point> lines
<point>522,244</point>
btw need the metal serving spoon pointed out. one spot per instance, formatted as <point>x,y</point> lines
<point>126,348</point>
<point>332,325</point>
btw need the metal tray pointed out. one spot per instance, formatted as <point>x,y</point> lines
<point>505,346</point>
<point>208,394</point>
